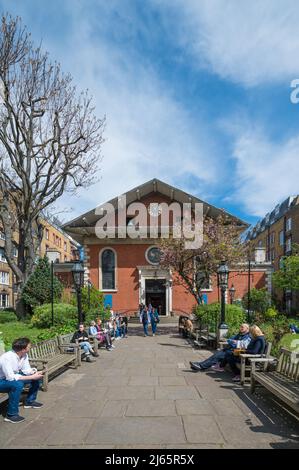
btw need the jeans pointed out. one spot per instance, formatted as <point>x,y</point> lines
<point>154,327</point>
<point>14,389</point>
<point>232,361</point>
<point>217,357</point>
<point>145,329</point>
<point>86,346</point>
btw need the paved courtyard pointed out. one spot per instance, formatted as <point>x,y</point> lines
<point>143,395</point>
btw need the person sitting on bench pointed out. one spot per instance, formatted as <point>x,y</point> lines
<point>82,337</point>
<point>241,340</point>
<point>257,345</point>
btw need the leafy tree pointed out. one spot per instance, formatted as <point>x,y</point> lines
<point>95,296</point>
<point>50,141</point>
<point>288,276</point>
<point>37,290</point>
<point>259,300</point>
<point>193,268</point>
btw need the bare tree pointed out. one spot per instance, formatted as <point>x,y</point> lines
<point>50,141</point>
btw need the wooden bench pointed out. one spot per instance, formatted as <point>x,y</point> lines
<point>246,366</point>
<point>204,338</point>
<point>3,395</point>
<point>50,356</point>
<point>65,340</point>
<point>282,382</point>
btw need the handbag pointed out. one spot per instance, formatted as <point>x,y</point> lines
<point>238,351</point>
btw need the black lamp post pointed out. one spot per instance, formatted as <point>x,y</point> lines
<point>53,256</point>
<point>78,277</point>
<point>223,282</point>
<point>89,285</point>
<point>232,292</point>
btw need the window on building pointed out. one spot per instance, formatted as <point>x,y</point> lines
<point>2,256</point>
<point>47,234</point>
<point>4,277</point>
<point>4,301</point>
<point>260,243</point>
<point>65,246</point>
<point>289,224</point>
<point>65,258</point>
<point>288,244</point>
<point>15,251</point>
<point>2,235</point>
<point>272,254</point>
<point>272,238</point>
<point>108,269</point>
<point>281,238</point>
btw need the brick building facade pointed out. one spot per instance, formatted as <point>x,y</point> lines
<point>126,270</point>
<point>54,238</point>
<point>276,233</point>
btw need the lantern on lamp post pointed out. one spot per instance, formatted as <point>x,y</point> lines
<point>232,292</point>
<point>223,273</point>
<point>54,257</point>
<point>78,278</point>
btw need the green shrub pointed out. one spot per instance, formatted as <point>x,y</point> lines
<point>259,300</point>
<point>96,299</point>
<point>210,315</point>
<point>7,316</point>
<point>68,327</point>
<point>289,341</point>
<point>63,314</point>
<point>92,314</point>
<point>271,313</point>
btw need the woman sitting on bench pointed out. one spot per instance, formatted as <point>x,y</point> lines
<point>257,345</point>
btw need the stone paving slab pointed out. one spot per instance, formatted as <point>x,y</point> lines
<point>194,407</point>
<point>151,408</point>
<point>202,430</point>
<point>144,395</point>
<point>70,431</point>
<point>143,430</point>
<point>172,381</point>
<point>174,392</point>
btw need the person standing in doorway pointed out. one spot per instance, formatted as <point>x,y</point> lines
<point>144,319</point>
<point>154,316</point>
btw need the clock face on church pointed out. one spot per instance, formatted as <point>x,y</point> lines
<point>154,209</point>
<point>153,255</point>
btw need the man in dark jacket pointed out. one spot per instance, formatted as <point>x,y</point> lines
<point>241,340</point>
<point>81,336</point>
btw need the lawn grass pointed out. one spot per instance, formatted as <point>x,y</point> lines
<point>18,329</point>
<point>290,341</point>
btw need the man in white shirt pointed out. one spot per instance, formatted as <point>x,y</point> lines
<point>15,372</point>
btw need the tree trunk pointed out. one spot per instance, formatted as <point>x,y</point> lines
<point>20,308</point>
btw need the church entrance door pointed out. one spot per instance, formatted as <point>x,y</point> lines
<point>155,294</point>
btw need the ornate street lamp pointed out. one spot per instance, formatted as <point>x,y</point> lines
<point>232,292</point>
<point>53,256</point>
<point>222,282</point>
<point>78,278</point>
<point>89,286</point>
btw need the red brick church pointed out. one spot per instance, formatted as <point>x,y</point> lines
<point>127,269</point>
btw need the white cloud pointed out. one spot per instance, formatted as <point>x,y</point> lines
<point>266,172</point>
<point>149,133</point>
<point>251,43</point>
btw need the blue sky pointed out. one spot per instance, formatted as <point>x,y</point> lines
<point>196,93</point>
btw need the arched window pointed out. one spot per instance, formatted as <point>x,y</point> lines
<point>108,270</point>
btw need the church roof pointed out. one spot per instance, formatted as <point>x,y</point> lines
<point>87,221</point>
